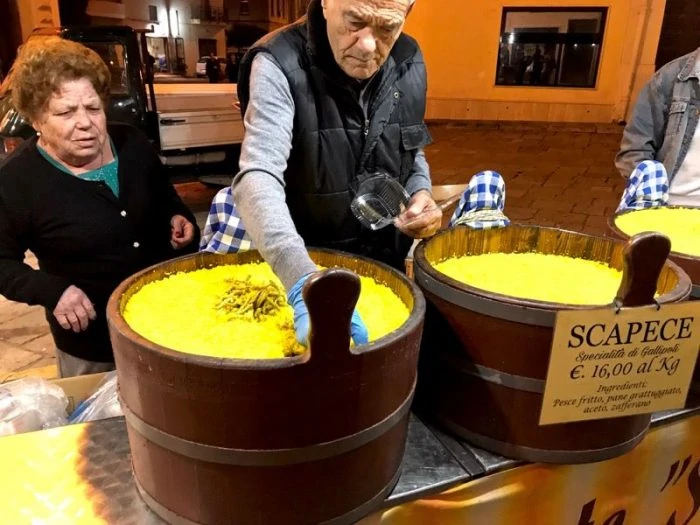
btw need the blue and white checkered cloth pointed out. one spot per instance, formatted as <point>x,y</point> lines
<point>482,203</point>
<point>481,207</point>
<point>224,231</point>
<point>647,187</point>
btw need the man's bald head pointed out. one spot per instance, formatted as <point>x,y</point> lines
<point>362,32</point>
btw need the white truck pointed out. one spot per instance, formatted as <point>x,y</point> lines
<point>198,124</point>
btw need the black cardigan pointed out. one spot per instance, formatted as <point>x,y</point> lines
<point>82,234</point>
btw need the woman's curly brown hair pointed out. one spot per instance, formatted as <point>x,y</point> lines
<point>43,63</point>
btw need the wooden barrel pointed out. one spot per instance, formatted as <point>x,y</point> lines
<point>689,264</point>
<point>485,356</point>
<point>315,438</point>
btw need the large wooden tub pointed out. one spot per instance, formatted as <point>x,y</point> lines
<point>485,356</point>
<point>315,438</point>
<point>689,264</point>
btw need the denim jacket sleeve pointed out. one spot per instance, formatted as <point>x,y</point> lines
<point>644,134</point>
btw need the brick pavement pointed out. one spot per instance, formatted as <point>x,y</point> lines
<point>555,175</point>
<point>26,345</point>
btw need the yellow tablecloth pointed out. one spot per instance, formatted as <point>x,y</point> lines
<point>62,476</point>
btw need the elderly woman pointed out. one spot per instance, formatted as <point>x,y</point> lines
<point>89,198</point>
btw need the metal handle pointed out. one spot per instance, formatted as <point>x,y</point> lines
<point>442,207</point>
<point>169,121</point>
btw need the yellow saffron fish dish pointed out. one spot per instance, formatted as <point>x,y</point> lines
<point>536,276</point>
<point>681,225</point>
<point>240,311</point>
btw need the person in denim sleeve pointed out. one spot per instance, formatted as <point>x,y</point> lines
<point>664,128</point>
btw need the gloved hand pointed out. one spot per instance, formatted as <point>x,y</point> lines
<point>358,330</point>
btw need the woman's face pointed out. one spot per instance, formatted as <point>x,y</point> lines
<point>73,125</point>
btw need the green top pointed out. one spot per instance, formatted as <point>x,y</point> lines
<point>109,173</point>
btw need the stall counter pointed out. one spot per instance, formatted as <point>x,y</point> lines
<point>81,474</point>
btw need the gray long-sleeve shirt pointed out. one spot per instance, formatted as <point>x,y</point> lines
<point>258,188</point>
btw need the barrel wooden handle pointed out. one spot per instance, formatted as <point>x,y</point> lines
<point>331,296</point>
<point>644,258</point>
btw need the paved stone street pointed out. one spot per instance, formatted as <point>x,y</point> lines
<point>554,176</point>
<point>557,175</point>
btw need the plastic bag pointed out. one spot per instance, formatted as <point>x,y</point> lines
<point>102,404</point>
<point>31,404</point>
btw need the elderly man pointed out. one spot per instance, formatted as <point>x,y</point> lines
<point>664,129</point>
<point>328,101</point>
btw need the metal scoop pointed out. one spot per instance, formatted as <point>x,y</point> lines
<point>380,200</point>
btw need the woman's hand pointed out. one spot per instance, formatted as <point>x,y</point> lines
<point>422,218</point>
<point>74,310</point>
<point>181,232</point>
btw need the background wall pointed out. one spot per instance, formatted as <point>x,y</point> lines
<point>460,45</point>
<point>680,33</point>
<point>36,13</point>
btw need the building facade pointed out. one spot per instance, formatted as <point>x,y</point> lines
<point>184,31</point>
<point>538,60</point>
<point>267,15</point>
<point>525,60</point>
<point>180,31</point>
<point>18,18</point>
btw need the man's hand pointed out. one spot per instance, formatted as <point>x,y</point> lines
<point>422,218</point>
<point>74,310</point>
<point>181,232</point>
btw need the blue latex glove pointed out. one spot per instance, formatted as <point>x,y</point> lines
<point>358,330</point>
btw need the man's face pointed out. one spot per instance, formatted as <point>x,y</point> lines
<point>362,32</point>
